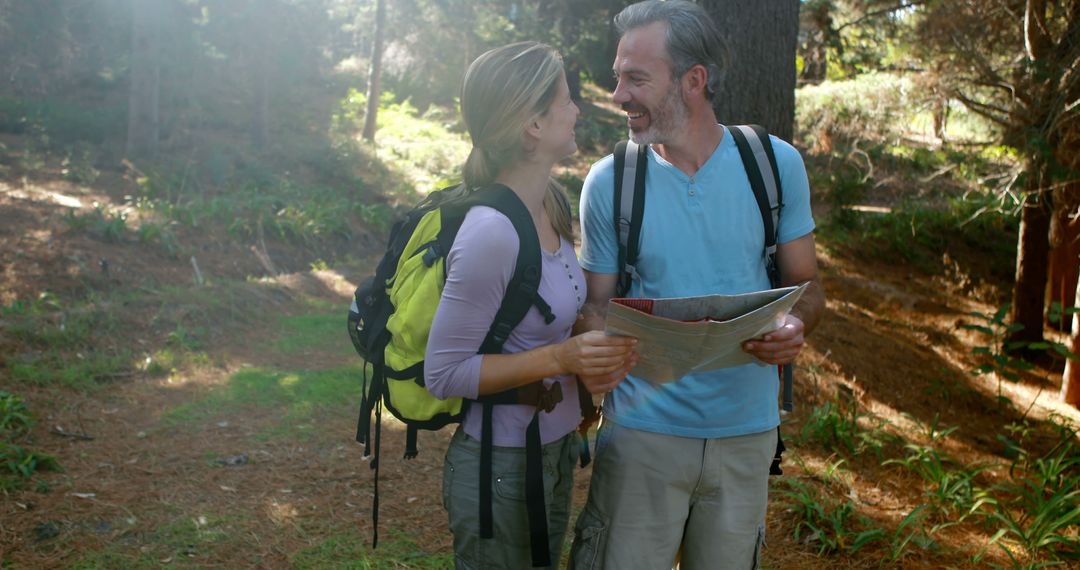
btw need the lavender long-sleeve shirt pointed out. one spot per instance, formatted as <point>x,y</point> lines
<point>479,266</point>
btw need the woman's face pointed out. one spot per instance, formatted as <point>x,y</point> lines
<point>557,124</point>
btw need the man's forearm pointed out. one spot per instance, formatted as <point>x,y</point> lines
<point>810,306</point>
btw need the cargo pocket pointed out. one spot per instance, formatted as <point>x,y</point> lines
<point>758,546</point>
<point>590,537</point>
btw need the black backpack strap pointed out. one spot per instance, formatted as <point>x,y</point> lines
<point>628,207</point>
<point>521,294</point>
<point>534,495</point>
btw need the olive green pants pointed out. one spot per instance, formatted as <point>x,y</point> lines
<point>461,497</point>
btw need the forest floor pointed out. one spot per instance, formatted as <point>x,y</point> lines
<point>230,443</point>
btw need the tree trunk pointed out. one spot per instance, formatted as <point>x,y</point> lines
<point>375,71</point>
<point>759,83</point>
<point>145,79</point>
<point>1032,261</point>
<point>1064,255</point>
<point>1070,379</point>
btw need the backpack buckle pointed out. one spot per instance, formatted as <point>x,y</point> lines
<point>547,398</point>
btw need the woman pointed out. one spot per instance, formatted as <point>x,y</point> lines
<point>518,111</point>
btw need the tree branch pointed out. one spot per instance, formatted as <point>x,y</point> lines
<point>901,5</point>
<point>1037,40</point>
<point>990,112</point>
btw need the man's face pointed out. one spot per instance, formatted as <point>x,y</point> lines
<point>653,102</point>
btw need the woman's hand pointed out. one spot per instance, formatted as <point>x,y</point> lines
<point>595,354</point>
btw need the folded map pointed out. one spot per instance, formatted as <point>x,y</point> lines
<point>680,335</point>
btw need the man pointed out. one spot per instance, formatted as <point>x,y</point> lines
<point>687,462</point>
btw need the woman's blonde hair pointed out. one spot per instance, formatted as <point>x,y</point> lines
<point>504,90</point>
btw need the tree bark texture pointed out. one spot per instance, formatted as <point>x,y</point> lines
<point>1070,379</point>
<point>759,83</point>
<point>1032,264</point>
<point>1064,249</point>
<point>374,89</point>
<point>145,79</point>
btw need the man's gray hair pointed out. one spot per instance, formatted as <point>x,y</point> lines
<point>692,37</point>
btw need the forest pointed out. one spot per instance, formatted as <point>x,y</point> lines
<point>191,190</point>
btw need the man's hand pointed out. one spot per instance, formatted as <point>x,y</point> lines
<point>780,346</point>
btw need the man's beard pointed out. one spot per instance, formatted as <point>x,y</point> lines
<point>670,117</point>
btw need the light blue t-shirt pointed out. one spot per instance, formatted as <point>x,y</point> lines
<point>700,235</point>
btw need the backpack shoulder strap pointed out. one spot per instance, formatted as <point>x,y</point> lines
<point>628,206</point>
<point>759,160</point>
<point>521,292</point>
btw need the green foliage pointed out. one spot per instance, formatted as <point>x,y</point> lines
<point>421,148</point>
<point>833,526</point>
<point>23,463</point>
<point>15,418</point>
<point>18,464</point>
<point>909,532</point>
<point>952,488</point>
<point>107,223</point>
<point>870,107</point>
<point>999,356</point>
<point>61,124</point>
<point>378,215</point>
<point>186,339</point>
<point>845,187</point>
<point>598,129</point>
<point>151,232</point>
<point>78,163</point>
<point>288,210</point>
<point>951,485</point>
<point>1038,508</point>
<point>919,234</point>
<point>835,425</point>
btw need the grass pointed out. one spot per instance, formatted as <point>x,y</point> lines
<point>310,332</point>
<point>296,397</point>
<point>181,542</point>
<point>63,344</point>
<point>83,372</point>
<point>353,552</point>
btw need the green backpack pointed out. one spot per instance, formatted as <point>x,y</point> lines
<point>389,322</point>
